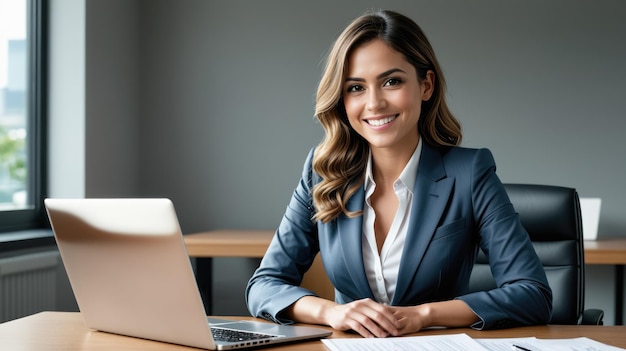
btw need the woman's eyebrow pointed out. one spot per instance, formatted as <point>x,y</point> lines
<point>382,75</point>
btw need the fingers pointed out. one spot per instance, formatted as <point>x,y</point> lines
<point>410,319</point>
<point>368,318</point>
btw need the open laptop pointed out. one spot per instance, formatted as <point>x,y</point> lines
<point>128,267</point>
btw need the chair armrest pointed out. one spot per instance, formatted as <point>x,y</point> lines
<point>593,316</point>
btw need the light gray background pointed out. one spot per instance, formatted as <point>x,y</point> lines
<point>211,103</point>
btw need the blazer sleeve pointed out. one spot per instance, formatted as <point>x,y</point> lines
<point>274,286</point>
<point>522,296</point>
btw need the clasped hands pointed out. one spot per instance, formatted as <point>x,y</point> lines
<point>372,319</point>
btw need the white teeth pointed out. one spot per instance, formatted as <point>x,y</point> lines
<point>380,122</point>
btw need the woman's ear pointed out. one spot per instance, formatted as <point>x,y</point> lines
<point>428,85</point>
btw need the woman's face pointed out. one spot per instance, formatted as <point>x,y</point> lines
<point>383,97</point>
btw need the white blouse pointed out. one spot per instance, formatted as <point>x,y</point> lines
<point>382,270</point>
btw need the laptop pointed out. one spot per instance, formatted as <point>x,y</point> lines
<point>131,275</point>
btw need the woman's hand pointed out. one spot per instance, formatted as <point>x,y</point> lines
<point>372,319</point>
<point>366,317</point>
<point>411,319</point>
<point>453,313</point>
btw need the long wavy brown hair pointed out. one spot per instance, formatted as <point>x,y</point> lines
<point>341,157</point>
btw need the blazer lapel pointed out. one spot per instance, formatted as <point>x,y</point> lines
<point>431,193</point>
<point>350,236</point>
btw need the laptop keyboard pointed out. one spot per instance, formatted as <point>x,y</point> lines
<point>231,335</point>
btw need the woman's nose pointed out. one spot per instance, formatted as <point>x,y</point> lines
<point>375,100</point>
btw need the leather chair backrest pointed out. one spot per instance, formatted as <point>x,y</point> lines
<point>551,216</point>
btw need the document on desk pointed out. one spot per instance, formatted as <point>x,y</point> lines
<point>578,344</point>
<point>463,342</point>
<point>452,342</point>
<point>508,344</point>
<point>534,344</point>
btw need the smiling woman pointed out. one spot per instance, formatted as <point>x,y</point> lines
<point>21,109</point>
<point>383,98</point>
<point>394,206</point>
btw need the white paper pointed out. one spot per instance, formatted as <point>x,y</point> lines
<point>452,342</point>
<point>534,344</point>
<point>456,342</point>
<point>506,344</point>
<point>578,344</point>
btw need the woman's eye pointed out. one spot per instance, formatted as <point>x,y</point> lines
<point>354,88</point>
<point>392,82</point>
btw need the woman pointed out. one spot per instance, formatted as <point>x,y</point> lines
<point>395,207</point>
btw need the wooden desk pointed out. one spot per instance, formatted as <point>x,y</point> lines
<point>606,251</point>
<point>56,331</point>
<point>254,243</point>
<point>229,243</point>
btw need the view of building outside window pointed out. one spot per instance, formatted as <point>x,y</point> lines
<point>13,104</point>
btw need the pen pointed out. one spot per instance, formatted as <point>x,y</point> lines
<point>517,347</point>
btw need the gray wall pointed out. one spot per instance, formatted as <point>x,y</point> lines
<point>211,103</point>
<point>227,96</point>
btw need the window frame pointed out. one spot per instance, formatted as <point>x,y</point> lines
<point>34,217</point>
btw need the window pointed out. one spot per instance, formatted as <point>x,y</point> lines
<point>22,165</point>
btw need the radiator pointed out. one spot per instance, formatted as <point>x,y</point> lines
<point>28,284</point>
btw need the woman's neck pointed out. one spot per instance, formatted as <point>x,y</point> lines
<point>388,163</point>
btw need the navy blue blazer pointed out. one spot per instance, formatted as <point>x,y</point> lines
<point>459,204</point>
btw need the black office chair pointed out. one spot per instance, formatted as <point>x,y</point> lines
<point>551,216</point>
